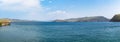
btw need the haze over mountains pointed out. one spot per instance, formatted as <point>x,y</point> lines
<point>115,18</point>
<point>85,19</point>
<point>82,19</point>
<point>17,20</point>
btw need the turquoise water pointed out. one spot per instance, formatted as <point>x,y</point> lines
<point>61,32</point>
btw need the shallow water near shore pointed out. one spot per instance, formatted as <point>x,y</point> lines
<point>61,32</point>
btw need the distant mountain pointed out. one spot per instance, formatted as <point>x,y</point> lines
<point>19,20</point>
<point>85,19</point>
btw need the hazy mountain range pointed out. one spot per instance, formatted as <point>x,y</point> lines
<point>85,19</point>
<point>116,18</point>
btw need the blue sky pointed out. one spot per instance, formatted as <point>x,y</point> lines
<point>45,10</point>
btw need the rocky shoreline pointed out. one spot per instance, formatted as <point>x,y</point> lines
<point>4,22</point>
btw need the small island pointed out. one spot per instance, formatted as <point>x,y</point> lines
<point>5,22</point>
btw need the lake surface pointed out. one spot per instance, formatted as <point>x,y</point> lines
<point>61,32</point>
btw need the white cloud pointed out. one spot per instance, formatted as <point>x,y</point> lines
<point>58,12</point>
<point>32,16</point>
<point>33,10</point>
<point>30,9</point>
<point>20,5</point>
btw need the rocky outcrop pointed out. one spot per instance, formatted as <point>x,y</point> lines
<point>116,18</point>
<point>85,19</point>
<point>4,22</point>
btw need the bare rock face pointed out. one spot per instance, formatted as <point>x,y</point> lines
<point>116,18</point>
